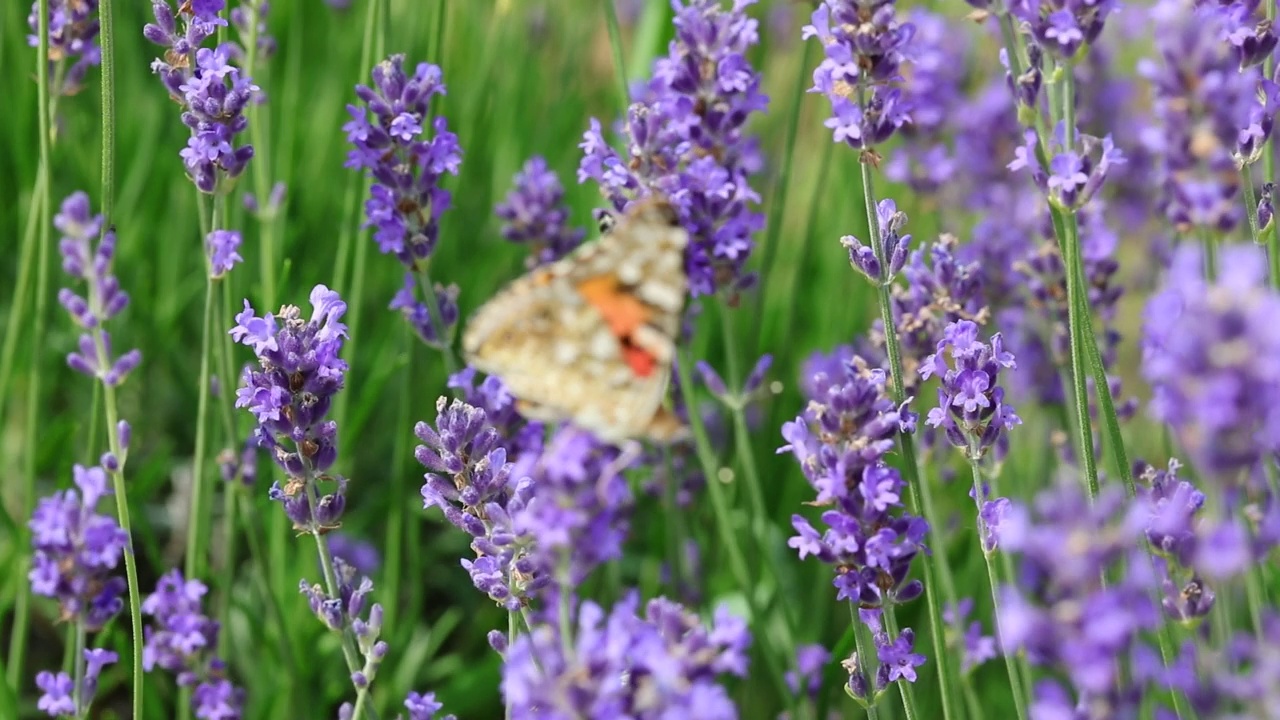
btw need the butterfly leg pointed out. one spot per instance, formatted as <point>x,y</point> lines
<point>628,453</point>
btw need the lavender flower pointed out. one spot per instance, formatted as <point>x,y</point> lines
<point>344,607</point>
<point>1211,351</point>
<point>561,521</point>
<point>895,657</point>
<point>1072,178</point>
<point>1063,26</point>
<point>534,213</point>
<point>1238,680</point>
<point>76,550</point>
<point>1201,101</point>
<point>971,407</point>
<point>1172,505</point>
<point>249,18</point>
<point>182,640</point>
<point>290,394</point>
<point>806,678</point>
<point>424,706</point>
<point>243,467</point>
<point>73,32</point>
<point>840,442</point>
<point>865,46</point>
<point>661,665</point>
<point>1061,612</point>
<point>213,94</point>
<point>58,691</point>
<point>685,141</point>
<point>223,247</point>
<point>357,553</point>
<point>103,298</point>
<point>390,142</point>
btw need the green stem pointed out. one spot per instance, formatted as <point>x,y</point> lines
<point>1015,685</point>
<point>1063,223</point>
<point>106,40</point>
<point>865,658</point>
<point>1250,203</point>
<point>357,186</point>
<point>196,561</point>
<point>17,647</point>
<point>907,444</point>
<point>275,608</point>
<point>261,169</point>
<point>21,288</point>
<point>349,650</point>
<point>232,445</point>
<point>778,198</point>
<point>615,43</point>
<point>724,524</point>
<point>444,336</point>
<point>77,662</point>
<point>122,515</point>
<point>401,454</point>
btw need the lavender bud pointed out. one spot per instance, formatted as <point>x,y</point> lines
<point>711,379</point>
<point>756,378</point>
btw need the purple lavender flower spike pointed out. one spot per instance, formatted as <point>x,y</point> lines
<point>894,245</point>
<point>103,297</point>
<point>534,213</point>
<point>840,443</point>
<point>806,678</point>
<point>684,139</point>
<point>289,395</point>
<point>864,49</point>
<point>424,706</point>
<point>406,162</point>
<point>182,640</point>
<point>671,662</point>
<point>73,33</point>
<point>1072,178</point>
<point>971,408</point>
<point>76,550</point>
<point>1061,612</point>
<point>213,93</point>
<point>1211,351</point>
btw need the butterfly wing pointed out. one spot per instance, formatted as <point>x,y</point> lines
<point>589,339</point>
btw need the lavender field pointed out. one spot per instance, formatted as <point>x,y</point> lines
<point>639,359</point>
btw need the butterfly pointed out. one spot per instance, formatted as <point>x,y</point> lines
<point>589,339</point>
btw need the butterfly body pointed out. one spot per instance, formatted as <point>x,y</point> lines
<point>590,338</point>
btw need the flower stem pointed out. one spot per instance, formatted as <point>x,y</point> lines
<point>1250,203</point>
<point>906,443</point>
<point>21,288</point>
<point>864,664</point>
<point>1014,684</point>
<point>349,651</point>
<point>724,524</point>
<point>77,663</point>
<point>194,565</point>
<point>615,43</point>
<point>261,167</point>
<point>444,336</point>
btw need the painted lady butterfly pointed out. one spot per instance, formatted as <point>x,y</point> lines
<point>590,338</point>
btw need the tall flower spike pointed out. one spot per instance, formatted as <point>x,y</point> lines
<point>669,659</point>
<point>182,640</point>
<point>76,551</point>
<point>865,46</point>
<point>391,142</point>
<point>289,395</point>
<point>213,93</point>
<point>1211,351</point>
<point>685,140</point>
<point>534,213</point>
<point>103,298</point>
<point>1072,609</point>
<point>73,36</point>
<point>840,442</point>
<point>58,692</point>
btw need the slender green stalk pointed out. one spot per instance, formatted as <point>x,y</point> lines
<point>232,445</point>
<point>511,638</point>
<point>17,646</point>
<point>778,198</point>
<point>122,516</point>
<point>401,454</point>
<point>21,288</point>
<point>260,564</point>
<point>195,563</point>
<point>615,43</point>
<point>349,650</point>
<point>864,657</point>
<point>357,186</point>
<point>1251,202</point>
<point>106,40</point>
<point>1272,238</point>
<point>258,133</point>
<point>724,524</point>
<point>907,689</point>
<point>1015,685</point>
<point>444,336</point>
<point>906,443</point>
<point>77,663</point>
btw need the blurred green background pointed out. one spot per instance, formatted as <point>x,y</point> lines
<point>524,77</point>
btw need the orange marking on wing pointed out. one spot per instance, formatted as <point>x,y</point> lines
<point>624,314</point>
